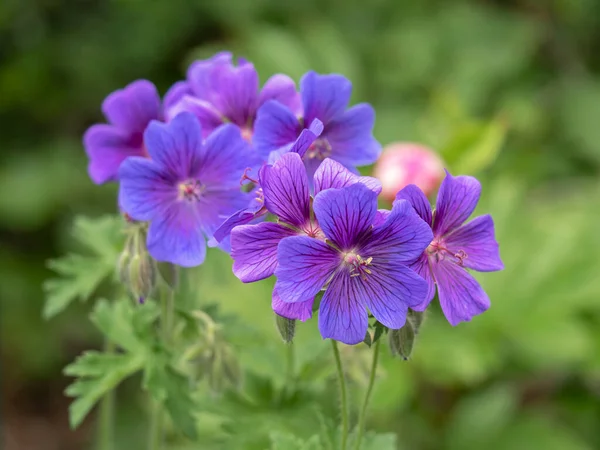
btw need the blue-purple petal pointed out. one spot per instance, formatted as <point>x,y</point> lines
<point>456,201</point>
<point>209,118</point>
<point>461,296</point>
<point>351,136</point>
<point>422,267</point>
<point>175,146</point>
<point>304,266</point>
<point>275,127</point>
<point>282,89</point>
<point>295,311</point>
<point>402,238</point>
<point>418,200</point>
<point>285,188</point>
<point>342,316</point>
<point>133,107</point>
<point>332,174</point>
<point>477,241</point>
<point>254,250</point>
<point>324,97</point>
<point>145,192</point>
<point>345,215</point>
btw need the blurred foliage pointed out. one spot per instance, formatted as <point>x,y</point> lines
<point>508,90</point>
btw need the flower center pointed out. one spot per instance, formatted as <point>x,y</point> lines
<point>319,149</point>
<point>438,252</point>
<point>358,265</point>
<point>190,190</point>
<point>313,230</point>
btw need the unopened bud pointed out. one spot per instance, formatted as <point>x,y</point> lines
<point>142,276</point>
<point>404,163</point>
<point>416,319</point>
<point>286,328</point>
<point>402,341</point>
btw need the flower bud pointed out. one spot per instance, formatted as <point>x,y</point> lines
<point>404,163</point>
<point>402,341</point>
<point>286,328</point>
<point>416,319</point>
<point>142,275</point>
<point>123,262</point>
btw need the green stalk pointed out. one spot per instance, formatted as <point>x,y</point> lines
<point>343,397</point>
<point>363,411</point>
<point>156,438</point>
<point>106,425</point>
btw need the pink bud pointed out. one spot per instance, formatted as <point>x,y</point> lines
<point>404,163</point>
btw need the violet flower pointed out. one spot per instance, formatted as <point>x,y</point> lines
<point>218,91</point>
<point>347,136</point>
<point>286,195</point>
<point>128,112</point>
<point>455,247</point>
<point>362,266</point>
<point>186,189</point>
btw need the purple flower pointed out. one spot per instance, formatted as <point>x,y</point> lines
<point>347,136</point>
<point>128,112</point>
<point>217,91</point>
<point>256,209</point>
<point>186,189</point>
<point>361,265</point>
<point>286,195</point>
<point>455,247</point>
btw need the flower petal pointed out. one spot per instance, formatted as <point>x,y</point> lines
<point>215,206</point>
<point>456,201</point>
<point>388,291</point>
<point>224,157</point>
<point>402,238</point>
<point>295,311</point>
<point>133,107</point>
<point>341,315</point>
<point>209,118</point>
<point>380,217</point>
<point>254,250</point>
<point>285,188</point>
<point>305,265</point>
<point>478,241</point>
<point>203,75</point>
<point>345,215</point>
<point>421,267</point>
<point>324,97</point>
<point>176,236</point>
<point>238,93</point>
<point>241,217</point>
<point>275,127</point>
<point>282,89</point>
<point>174,94</point>
<point>331,174</point>
<point>307,137</point>
<point>418,200</point>
<point>145,190</point>
<point>107,147</point>
<point>351,137</point>
<point>461,296</point>
<point>175,145</point>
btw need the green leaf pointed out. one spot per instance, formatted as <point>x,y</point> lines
<point>98,374</point>
<point>376,441</point>
<point>79,276</point>
<point>179,402</point>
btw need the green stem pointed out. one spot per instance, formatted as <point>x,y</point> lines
<point>107,410</point>
<point>156,437</point>
<point>363,411</point>
<point>289,377</point>
<point>343,397</point>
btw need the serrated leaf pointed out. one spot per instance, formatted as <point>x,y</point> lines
<point>100,374</point>
<point>81,275</point>
<point>179,402</point>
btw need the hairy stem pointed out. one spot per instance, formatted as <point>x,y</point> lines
<point>343,396</point>
<point>106,428</point>
<point>363,411</point>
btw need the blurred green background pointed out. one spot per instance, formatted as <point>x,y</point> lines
<point>507,90</point>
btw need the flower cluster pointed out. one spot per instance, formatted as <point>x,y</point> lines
<point>219,155</point>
